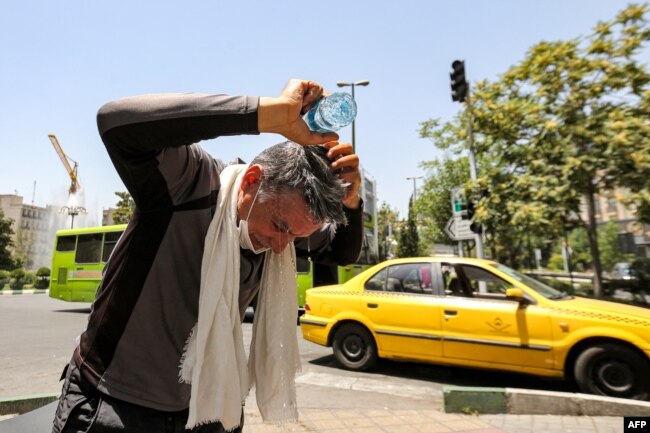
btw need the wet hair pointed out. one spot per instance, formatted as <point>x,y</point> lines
<point>290,167</point>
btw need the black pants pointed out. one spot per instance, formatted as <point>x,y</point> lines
<point>83,409</point>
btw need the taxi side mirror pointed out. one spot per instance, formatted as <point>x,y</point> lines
<point>515,294</point>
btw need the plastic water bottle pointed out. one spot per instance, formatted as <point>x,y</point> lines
<point>331,113</point>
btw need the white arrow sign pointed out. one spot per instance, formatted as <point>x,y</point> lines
<point>458,229</point>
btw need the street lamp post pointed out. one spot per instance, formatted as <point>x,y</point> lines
<point>414,179</point>
<point>73,211</point>
<point>353,84</point>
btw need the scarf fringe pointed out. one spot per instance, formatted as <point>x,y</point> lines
<point>214,421</point>
<point>188,359</point>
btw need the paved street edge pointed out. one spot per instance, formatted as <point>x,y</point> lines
<point>26,403</point>
<point>10,292</point>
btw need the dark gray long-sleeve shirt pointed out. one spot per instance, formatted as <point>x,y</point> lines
<point>147,302</point>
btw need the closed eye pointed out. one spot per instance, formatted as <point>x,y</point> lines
<point>281,227</point>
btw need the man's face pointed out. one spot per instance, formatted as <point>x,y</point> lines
<point>277,221</point>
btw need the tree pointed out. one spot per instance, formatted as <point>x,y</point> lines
<point>575,125</point>
<point>433,205</point>
<point>568,122</point>
<point>408,236</point>
<point>6,232</point>
<point>125,208</point>
<point>388,223</point>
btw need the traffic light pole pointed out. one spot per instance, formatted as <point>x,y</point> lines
<point>460,93</point>
<point>472,165</point>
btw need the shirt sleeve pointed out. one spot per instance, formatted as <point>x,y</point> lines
<point>335,245</point>
<point>151,140</point>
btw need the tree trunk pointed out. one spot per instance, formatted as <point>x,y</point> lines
<point>592,233</point>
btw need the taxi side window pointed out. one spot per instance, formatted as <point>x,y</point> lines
<point>377,282</point>
<point>454,283</point>
<point>403,278</point>
<point>484,282</point>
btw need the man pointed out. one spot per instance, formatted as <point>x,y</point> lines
<point>191,211</point>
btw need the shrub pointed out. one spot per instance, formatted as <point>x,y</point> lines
<point>42,278</point>
<point>17,279</point>
<point>4,278</point>
<point>556,262</point>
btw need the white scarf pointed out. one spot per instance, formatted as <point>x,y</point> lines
<point>214,360</point>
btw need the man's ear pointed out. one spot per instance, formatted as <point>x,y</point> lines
<point>252,176</point>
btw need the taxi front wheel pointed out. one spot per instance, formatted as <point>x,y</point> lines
<point>354,347</point>
<point>614,371</point>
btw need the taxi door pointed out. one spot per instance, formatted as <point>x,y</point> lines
<point>480,324</point>
<point>405,314</point>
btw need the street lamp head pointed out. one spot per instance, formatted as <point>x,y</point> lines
<point>356,83</point>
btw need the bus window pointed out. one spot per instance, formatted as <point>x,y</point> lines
<point>110,239</point>
<point>66,243</point>
<point>89,248</point>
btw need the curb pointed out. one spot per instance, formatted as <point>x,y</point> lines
<point>25,292</point>
<point>458,399</point>
<point>26,403</point>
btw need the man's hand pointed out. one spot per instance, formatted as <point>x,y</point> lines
<point>283,115</point>
<point>346,165</point>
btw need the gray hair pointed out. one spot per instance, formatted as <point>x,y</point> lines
<point>290,168</point>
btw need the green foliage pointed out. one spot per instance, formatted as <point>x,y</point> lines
<point>609,246</point>
<point>433,205</point>
<point>555,262</point>
<point>4,278</point>
<point>581,258</point>
<point>18,279</point>
<point>42,278</point>
<point>388,225</point>
<point>408,236</point>
<point>562,286</point>
<point>30,278</point>
<point>640,270</point>
<point>125,208</point>
<point>6,232</point>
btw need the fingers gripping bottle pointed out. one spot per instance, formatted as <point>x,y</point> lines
<point>331,113</point>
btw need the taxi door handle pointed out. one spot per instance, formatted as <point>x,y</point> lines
<point>451,312</point>
<point>373,305</point>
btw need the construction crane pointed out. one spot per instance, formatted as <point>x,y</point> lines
<point>65,159</point>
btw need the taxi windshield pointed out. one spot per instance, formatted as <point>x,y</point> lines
<point>541,288</point>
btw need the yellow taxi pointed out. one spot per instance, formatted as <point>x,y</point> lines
<point>479,313</point>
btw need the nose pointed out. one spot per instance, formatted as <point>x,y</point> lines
<point>280,243</point>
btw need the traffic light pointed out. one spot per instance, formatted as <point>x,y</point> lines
<point>474,227</point>
<point>470,210</point>
<point>458,83</point>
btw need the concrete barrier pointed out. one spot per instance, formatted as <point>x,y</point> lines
<point>458,399</point>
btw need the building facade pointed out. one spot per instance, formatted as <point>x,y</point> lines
<point>32,226</point>
<point>634,236</point>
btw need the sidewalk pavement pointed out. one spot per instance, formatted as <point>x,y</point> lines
<point>385,420</point>
<point>361,417</point>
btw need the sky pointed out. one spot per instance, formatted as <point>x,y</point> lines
<point>61,61</point>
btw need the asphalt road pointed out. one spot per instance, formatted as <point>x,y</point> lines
<point>38,335</point>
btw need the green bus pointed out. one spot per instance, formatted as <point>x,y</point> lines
<point>309,274</point>
<point>78,261</point>
<point>80,255</point>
